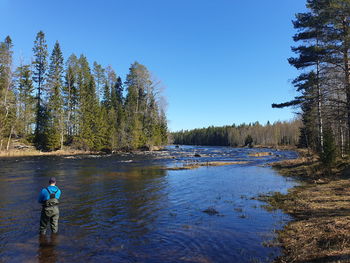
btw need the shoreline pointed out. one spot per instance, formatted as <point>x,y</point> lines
<point>320,208</point>
<point>31,152</point>
<point>35,153</point>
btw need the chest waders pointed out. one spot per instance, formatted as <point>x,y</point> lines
<point>50,213</point>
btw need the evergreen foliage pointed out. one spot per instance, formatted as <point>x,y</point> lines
<point>248,141</point>
<point>7,95</point>
<point>26,101</point>
<point>323,37</point>
<point>328,155</point>
<point>69,104</point>
<point>279,133</point>
<point>39,77</point>
<point>55,126</point>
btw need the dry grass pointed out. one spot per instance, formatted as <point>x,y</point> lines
<point>260,154</point>
<point>22,153</point>
<point>197,165</point>
<point>276,147</point>
<point>321,209</point>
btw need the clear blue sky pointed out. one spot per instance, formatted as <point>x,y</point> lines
<point>222,61</point>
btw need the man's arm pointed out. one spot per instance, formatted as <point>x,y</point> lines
<point>41,197</point>
<point>58,194</point>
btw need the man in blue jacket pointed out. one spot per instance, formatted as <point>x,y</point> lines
<point>50,213</point>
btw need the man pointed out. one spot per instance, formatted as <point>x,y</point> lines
<point>49,214</point>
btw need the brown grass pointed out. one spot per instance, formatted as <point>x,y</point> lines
<point>260,154</point>
<point>321,209</point>
<point>22,153</point>
<point>197,165</point>
<point>276,147</point>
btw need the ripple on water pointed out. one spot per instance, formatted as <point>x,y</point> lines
<point>113,210</point>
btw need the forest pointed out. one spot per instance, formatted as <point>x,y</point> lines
<point>54,103</point>
<point>323,85</point>
<point>278,133</point>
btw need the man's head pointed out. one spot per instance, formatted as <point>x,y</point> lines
<point>52,180</point>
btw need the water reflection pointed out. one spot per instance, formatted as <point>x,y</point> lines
<point>47,249</point>
<point>144,199</point>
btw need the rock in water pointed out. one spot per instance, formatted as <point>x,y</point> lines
<point>210,211</point>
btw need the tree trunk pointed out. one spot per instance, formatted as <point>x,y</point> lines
<point>347,73</point>
<point>9,139</point>
<point>319,102</point>
<point>341,140</point>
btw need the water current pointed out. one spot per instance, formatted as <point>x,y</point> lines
<point>132,208</point>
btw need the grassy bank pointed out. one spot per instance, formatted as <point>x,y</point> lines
<point>33,152</point>
<point>320,207</point>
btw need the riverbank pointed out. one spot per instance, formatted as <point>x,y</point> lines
<point>23,150</point>
<point>320,206</point>
<point>33,153</point>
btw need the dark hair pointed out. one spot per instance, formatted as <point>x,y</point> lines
<point>52,180</point>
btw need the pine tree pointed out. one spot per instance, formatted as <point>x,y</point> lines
<point>39,72</point>
<point>311,58</point>
<point>337,34</point>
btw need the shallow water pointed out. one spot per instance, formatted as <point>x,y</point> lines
<point>131,209</point>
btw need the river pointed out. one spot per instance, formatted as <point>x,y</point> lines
<point>131,208</point>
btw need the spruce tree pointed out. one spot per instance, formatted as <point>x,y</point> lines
<point>26,101</point>
<point>100,79</point>
<point>8,115</point>
<point>74,106</point>
<point>118,106</point>
<point>145,123</point>
<point>328,156</point>
<point>54,131</point>
<point>70,96</point>
<point>248,141</point>
<point>134,105</point>
<point>39,77</point>
<point>163,127</point>
<point>90,114</point>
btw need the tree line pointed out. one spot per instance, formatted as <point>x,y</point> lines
<point>52,102</point>
<point>322,57</point>
<point>278,133</point>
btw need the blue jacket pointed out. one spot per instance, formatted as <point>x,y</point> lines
<point>44,194</point>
